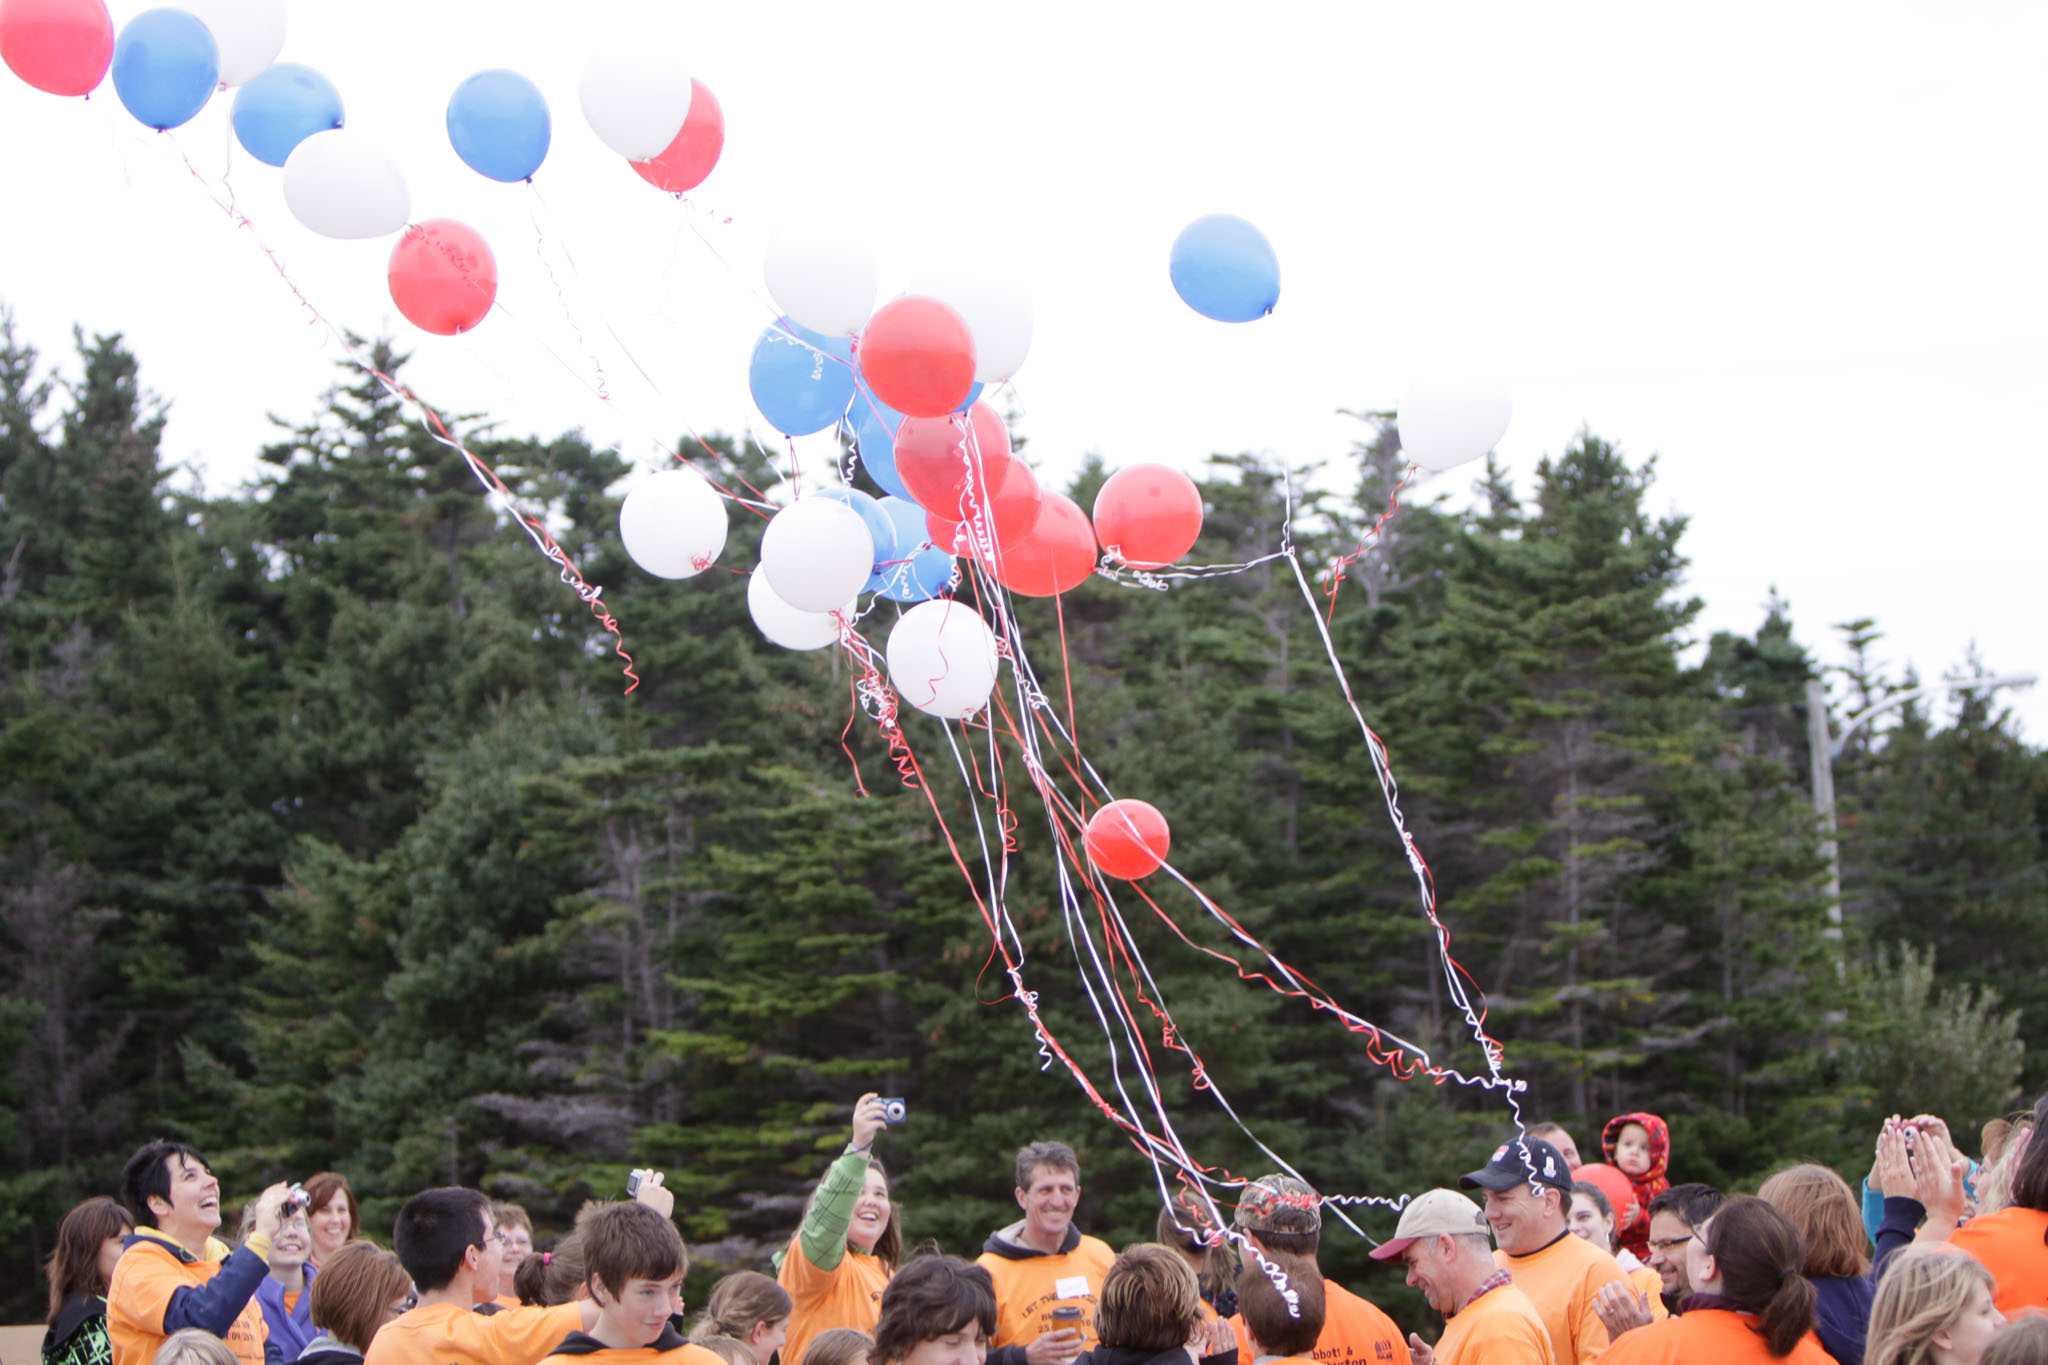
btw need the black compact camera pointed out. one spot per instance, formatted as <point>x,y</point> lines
<point>895,1111</point>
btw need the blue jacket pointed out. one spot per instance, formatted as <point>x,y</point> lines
<point>1842,1315</point>
<point>289,1330</point>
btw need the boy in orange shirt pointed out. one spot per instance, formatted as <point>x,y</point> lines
<point>634,1262</point>
<point>1278,1214</point>
<point>174,1273</point>
<point>1281,1324</point>
<point>447,1241</point>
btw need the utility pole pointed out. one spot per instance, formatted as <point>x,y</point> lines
<point>1824,750</point>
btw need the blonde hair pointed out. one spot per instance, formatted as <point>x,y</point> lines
<point>2002,1150</point>
<point>735,1351</point>
<point>838,1346</point>
<point>192,1346</point>
<point>1925,1291</point>
<point>739,1303</point>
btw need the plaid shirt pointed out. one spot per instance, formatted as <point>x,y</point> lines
<point>1497,1280</point>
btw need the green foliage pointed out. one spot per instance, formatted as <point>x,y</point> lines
<point>326,840</point>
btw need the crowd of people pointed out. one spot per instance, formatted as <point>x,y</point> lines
<point>1537,1258</point>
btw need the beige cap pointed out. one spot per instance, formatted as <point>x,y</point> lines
<point>1432,1215</point>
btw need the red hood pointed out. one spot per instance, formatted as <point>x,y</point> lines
<point>1660,1144</point>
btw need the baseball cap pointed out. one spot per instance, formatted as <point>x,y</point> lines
<point>1279,1203</point>
<point>1519,1161</point>
<point>1432,1215</point>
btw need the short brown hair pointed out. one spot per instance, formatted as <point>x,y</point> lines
<point>932,1297</point>
<point>75,1261</point>
<point>1057,1155</point>
<point>1149,1301</point>
<point>320,1192</point>
<point>1828,1215</point>
<point>505,1215</point>
<point>838,1346</point>
<point>627,1242</point>
<point>1278,1327</point>
<point>353,1293</point>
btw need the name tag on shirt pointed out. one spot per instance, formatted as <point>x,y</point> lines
<point>1071,1287</point>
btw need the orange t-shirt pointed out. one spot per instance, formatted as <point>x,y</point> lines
<point>1355,1332</point>
<point>1029,1288</point>
<point>2010,1245</point>
<point>443,1334</point>
<point>848,1295</point>
<point>145,1278</point>
<point>687,1353</point>
<point>1562,1280</point>
<point>1709,1334</point>
<point>1500,1327</point>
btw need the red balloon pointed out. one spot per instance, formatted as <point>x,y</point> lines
<point>1620,1191</point>
<point>1149,514</point>
<point>684,163</point>
<point>443,276</point>
<point>1058,555</point>
<point>1015,509</point>
<point>918,357</point>
<point>933,458</point>
<point>59,46</point>
<point>1127,838</point>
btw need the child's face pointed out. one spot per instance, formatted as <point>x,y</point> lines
<point>1632,1149</point>
<point>641,1312</point>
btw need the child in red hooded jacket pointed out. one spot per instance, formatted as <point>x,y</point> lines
<point>1639,1146</point>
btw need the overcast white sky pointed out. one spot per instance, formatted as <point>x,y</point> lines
<point>1795,250</point>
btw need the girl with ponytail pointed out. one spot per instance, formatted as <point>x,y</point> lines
<point>1750,1304</point>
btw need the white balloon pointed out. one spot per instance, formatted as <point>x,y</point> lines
<point>824,283</point>
<point>996,311</point>
<point>1445,421</point>
<point>339,184</point>
<point>673,524</point>
<point>636,99</point>
<point>942,659</point>
<point>786,626</point>
<point>249,33</point>
<point>816,553</point>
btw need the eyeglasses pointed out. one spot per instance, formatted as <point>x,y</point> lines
<point>1666,1244</point>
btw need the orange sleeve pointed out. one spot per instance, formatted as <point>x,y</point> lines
<point>144,1279</point>
<point>521,1336</point>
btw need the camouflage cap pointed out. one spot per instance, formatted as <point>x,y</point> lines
<point>1279,1203</point>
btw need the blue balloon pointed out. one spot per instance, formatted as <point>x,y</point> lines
<point>166,65</point>
<point>499,125</point>
<point>972,395</point>
<point>1224,268</point>
<point>874,439</point>
<point>920,571</point>
<point>881,530</point>
<point>281,108</point>
<point>802,380</point>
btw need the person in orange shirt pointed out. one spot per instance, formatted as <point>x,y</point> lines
<point>1593,1218</point>
<point>839,1262</point>
<point>1443,1241</point>
<point>174,1273</point>
<point>1749,1306</point>
<point>1046,1273</point>
<point>1528,1204</point>
<point>2013,1242</point>
<point>634,1261</point>
<point>1280,1302</point>
<point>939,1311</point>
<point>447,1242</point>
<point>1279,1215</point>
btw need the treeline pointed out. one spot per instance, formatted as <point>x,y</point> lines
<point>328,840</point>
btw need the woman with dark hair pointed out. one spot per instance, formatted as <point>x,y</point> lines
<point>1186,1225</point>
<point>840,1260</point>
<point>1750,1304</point>
<point>362,1288</point>
<point>331,1215</point>
<point>89,1241</point>
<point>1830,1222</point>
<point>2013,1243</point>
<point>940,1310</point>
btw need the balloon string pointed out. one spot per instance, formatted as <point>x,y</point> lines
<point>1335,573</point>
<point>535,528</point>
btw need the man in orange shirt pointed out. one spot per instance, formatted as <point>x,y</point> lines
<point>449,1244</point>
<point>1528,1202</point>
<point>1279,1215</point>
<point>1046,1273</point>
<point>174,1272</point>
<point>1442,1239</point>
<point>634,1261</point>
